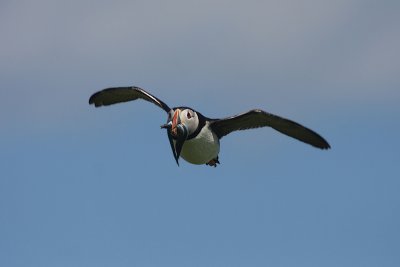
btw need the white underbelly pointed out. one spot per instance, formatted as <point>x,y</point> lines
<point>201,149</point>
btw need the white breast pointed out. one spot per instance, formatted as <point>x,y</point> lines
<point>201,149</point>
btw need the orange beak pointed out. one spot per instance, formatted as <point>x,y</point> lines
<point>176,130</point>
<point>175,121</point>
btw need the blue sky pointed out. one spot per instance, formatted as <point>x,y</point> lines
<point>99,187</point>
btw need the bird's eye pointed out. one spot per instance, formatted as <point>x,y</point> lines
<point>188,115</point>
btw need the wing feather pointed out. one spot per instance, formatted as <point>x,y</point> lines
<point>116,95</point>
<point>258,118</point>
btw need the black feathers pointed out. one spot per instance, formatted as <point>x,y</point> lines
<point>258,118</point>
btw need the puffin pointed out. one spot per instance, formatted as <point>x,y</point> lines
<point>195,137</point>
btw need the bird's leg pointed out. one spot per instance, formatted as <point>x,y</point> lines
<point>213,162</point>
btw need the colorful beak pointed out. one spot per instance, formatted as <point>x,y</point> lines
<point>175,121</point>
<point>176,130</point>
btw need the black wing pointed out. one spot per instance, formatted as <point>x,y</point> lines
<point>258,118</point>
<point>115,95</point>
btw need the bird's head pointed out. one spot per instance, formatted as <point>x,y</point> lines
<point>182,122</point>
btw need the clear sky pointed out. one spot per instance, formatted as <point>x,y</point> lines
<point>81,186</point>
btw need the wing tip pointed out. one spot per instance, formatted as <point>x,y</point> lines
<point>324,145</point>
<point>92,100</point>
<point>96,97</point>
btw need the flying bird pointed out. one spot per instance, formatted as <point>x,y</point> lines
<point>195,137</point>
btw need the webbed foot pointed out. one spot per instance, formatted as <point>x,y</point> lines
<point>213,162</point>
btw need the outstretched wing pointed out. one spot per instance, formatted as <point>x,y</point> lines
<point>258,118</point>
<point>115,95</point>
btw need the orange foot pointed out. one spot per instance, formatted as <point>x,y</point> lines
<point>213,162</point>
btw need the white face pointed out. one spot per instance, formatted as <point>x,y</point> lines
<point>190,119</point>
